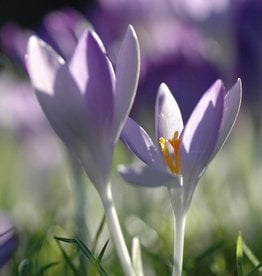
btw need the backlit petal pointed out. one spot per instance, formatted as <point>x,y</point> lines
<point>141,175</point>
<point>139,142</point>
<point>201,131</point>
<point>127,73</point>
<point>232,104</point>
<point>168,118</point>
<point>92,73</point>
<point>65,110</point>
<point>42,64</point>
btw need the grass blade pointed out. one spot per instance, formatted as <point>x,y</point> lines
<point>86,251</point>
<point>67,259</point>
<point>239,255</point>
<point>98,233</point>
<point>255,269</point>
<point>102,252</point>
<point>46,267</point>
<point>251,256</point>
<point>209,251</point>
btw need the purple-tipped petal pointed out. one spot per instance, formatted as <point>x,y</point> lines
<point>139,142</point>
<point>168,117</point>
<point>127,73</point>
<point>92,73</point>
<point>42,63</point>
<point>232,104</point>
<point>201,131</point>
<point>141,175</point>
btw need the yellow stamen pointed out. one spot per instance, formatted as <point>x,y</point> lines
<point>173,164</point>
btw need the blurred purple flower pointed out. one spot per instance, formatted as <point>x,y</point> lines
<point>8,240</point>
<point>61,29</point>
<point>16,99</point>
<point>172,51</point>
<point>85,100</point>
<point>21,114</point>
<point>199,10</point>
<point>248,33</point>
<point>193,145</point>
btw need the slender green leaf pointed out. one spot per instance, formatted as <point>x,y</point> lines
<point>209,251</point>
<point>248,252</point>
<point>102,252</point>
<point>47,267</point>
<point>239,255</point>
<point>255,269</point>
<point>67,258</point>
<point>86,251</point>
<point>98,233</point>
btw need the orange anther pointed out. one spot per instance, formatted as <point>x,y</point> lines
<point>173,164</point>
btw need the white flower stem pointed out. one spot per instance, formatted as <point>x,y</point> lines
<point>176,197</point>
<point>80,200</point>
<point>80,205</point>
<point>178,244</point>
<point>116,232</point>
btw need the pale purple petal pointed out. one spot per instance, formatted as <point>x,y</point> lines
<point>92,73</point>
<point>42,64</point>
<point>79,65</point>
<point>141,175</point>
<point>139,142</point>
<point>66,112</point>
<point>168,118</point>
<point>58,95</point>
<point>127,73</point>
<point>232,104</point>
<point>201,131</point>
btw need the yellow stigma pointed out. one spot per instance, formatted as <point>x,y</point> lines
<point>173,164</point>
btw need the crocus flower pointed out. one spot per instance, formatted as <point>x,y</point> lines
<point>87,103</point>
<point>8,239</point>
<point>181,153</point>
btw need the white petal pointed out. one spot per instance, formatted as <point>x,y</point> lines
<point>168,118</point>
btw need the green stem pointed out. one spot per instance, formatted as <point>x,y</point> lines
<point>115,230</point>
<point>176,198</point>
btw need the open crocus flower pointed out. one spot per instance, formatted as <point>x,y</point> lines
<point>85,101</point>
<point>181,153</point>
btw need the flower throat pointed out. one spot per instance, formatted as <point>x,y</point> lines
<point>174,164</point>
